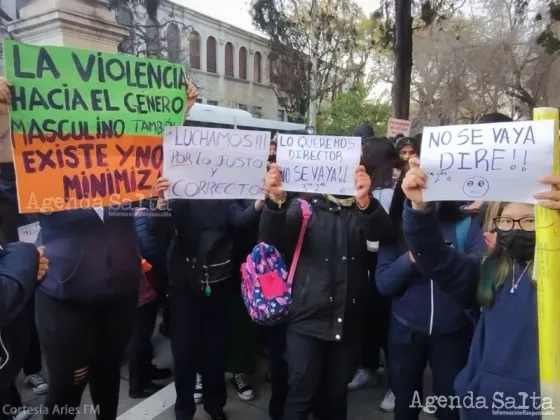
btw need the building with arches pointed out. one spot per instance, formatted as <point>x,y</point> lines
<point>229,65</point>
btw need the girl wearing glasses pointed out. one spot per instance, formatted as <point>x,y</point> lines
<point>502,373</point>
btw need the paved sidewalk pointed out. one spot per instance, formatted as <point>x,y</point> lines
<point>363,405</point>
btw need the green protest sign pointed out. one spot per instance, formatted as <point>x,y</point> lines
<point>88,125</point>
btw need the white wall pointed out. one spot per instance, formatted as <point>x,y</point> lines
<point>227,91</point>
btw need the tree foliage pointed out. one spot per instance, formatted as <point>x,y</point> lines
<point>350,109</point>
<point>529,22</point>
<point>345,37</point>
<point>467,63</point>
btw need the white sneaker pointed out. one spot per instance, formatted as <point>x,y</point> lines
<point>38,383</point>
<point>198,390</point>
<point>362,379</point>
<point>24,413</point>
<point>388,403</point>
<point>244,390</point>
<point>428,411</point>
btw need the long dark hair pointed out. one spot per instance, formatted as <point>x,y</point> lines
<point>380,157</point>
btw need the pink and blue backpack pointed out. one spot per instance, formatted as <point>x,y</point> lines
<point>267,285</point>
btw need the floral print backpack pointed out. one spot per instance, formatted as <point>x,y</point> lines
<point>267,285</point>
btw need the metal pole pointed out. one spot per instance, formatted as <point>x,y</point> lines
<point>313,76</point>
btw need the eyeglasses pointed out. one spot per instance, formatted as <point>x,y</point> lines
<point>506,224</point>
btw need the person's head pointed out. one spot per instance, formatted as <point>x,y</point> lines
<point>514,224</point>
<point>380,158</point>
<point>407,147</point>
<point>494,117</point>
<point>365,132</point>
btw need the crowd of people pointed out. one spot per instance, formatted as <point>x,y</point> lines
<point>386,284</point>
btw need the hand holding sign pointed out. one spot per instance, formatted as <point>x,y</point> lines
<point>162,185</point>
<point>43,263</point>
<point>413,184</point>
<point>550,199</point>
<point>363,187</point>
<point>5,95</point>
<point>192,94</point>
<point>273,183</point>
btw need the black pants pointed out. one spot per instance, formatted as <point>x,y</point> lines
<point>375,328</point>
<point>200,327</point>
<point>83,343</point>
<point>275,343</point>
<point>319,372</point>
<point>10,403</point>
<point>33,361</point>
<point>410,353</point>
<point>140,349</point>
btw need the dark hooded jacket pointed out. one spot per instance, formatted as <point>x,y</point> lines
<point>332,272</point>
<point>364,131</point>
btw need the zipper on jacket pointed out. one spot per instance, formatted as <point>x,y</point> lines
<point>432,306</point>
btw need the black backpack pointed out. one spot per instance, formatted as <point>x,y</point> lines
<point>213,263</point>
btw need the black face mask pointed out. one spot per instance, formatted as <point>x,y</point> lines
<point>518,244</point>
<point>272,158</point>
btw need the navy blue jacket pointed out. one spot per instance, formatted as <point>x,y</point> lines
<point>503,360</point>
<point>187,222</point>
<point>90,258</point>
<point>18,279</point>
<point>418,302</point>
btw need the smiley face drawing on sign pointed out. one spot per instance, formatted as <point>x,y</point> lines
<point>476,187</point>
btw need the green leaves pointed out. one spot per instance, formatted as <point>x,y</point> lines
<point>350,109</point>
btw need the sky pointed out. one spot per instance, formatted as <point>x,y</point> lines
<point>236,12</point>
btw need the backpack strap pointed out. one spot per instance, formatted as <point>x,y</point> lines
<point>462,231</point>
<point>306,213</point>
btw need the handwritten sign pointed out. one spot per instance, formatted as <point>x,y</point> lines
<point>490,162</point>
<point>318,164</point>
<point>396,127</point>
<point>209,163</point>
<point>87,126</point>
<point>29,233</point>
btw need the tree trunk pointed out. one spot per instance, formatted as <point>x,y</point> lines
<point>402,54</point>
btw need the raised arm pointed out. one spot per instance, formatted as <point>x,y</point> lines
<point>457,274</point>
<point>19,265</point>
<point>377,224</point>
<point>394,270</point>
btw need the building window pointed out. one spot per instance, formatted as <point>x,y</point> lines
<point>229,60</point>
<point>257,68</point>
<point>198,101</point>
<point>257,112</point>
<point>211,55</point>
<point>194,50</point>
<point>243,63</point>
<point>280,115</point>
<point>209,102</point>
<point>243,107</point>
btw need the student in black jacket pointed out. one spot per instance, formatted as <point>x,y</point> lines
<point>322,341</point>
<point>201,271</point>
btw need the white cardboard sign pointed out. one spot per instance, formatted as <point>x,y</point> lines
<point>487,162</point>
<point>29,233</point>
<point>211,163</point>
<point>318,164</point>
